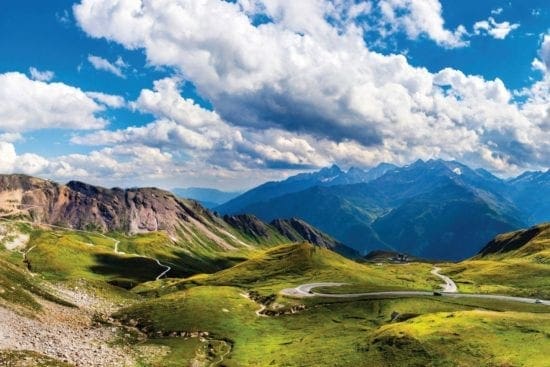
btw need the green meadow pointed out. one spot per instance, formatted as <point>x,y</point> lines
<point>207,317</point>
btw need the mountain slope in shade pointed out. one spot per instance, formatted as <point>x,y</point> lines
<point>525,242</point>
<point>421,209</point>
<point>209,198</point>
<point>447,223</point>
<point>515,263</point>
<point>299,231</point>
<point>285,230</point>
<point>531,193</point>
<point>328,209</point>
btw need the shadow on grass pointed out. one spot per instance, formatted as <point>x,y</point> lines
<point>126,272</point>
<point>185,265</point>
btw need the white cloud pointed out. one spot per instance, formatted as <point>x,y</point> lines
<point>100,63</point>
<point>320,89</point>
<point>544,52</point>
<point>108,165</point>
<point>109,100</point>
<point>422,17</point>
<point>42,76</point>
<point>543,62</point>
<point>29,105</point>
<point>494,29</point>
<point>10,162</point>
<point>165,101</point>
<point>497,11</point>
<point>7,157</point>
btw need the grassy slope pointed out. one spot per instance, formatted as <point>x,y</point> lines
<point>17,286</point>
<point>291,265</point>
<point>524,271</point>
<point>464,338</point>
<point>65,255</point>
<point>329,332</point>
<point>185,259</point>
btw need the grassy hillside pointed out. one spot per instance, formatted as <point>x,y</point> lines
<point>28,358</point>
<point>219,313</point>
<point>516,263</point>
<point>18,288</point>
<point>463,338</point>
<point>336,332</point>
<point>290,265</point>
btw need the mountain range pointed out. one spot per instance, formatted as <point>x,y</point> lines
<point>188,225</point>
<point>431,209</point>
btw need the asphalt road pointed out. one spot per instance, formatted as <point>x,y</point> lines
<point>449,290</point>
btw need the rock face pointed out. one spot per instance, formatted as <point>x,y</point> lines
<point>79,205</point>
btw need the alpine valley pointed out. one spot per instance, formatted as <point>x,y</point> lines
<point>91,276</point>
<point>275,183</point>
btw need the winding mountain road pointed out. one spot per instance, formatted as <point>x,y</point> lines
<point>449,286</point>
<point>449,289</point>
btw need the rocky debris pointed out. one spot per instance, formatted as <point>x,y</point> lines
<point>284,311</point>
<point>77,295</point>
<point>203,335</point>
<point>159,334</point>
<point>270,308</point>
<point>263,300</point>
<point>67,334</point>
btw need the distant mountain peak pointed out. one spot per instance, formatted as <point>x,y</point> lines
<point>334,169</point>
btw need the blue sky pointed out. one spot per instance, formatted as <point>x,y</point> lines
<point>229,94</point>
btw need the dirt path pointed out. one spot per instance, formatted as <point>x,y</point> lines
<point>259,310</point>
<point>222,357</point>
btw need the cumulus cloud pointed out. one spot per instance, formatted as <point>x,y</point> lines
<point>109,100</point>
<point>107,165</point>
<point>544,51</point>
<point>321,95</point>
<point>31,104</point>
<point>115,68</point>
<point>494,29</point>
<point>421,18</point>
<point>42,76</point>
